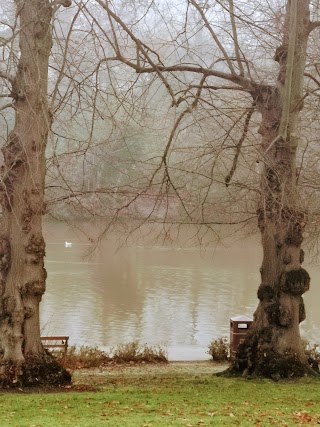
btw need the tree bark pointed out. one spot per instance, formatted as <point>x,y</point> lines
<point>273,347</point>
<point>22,247</point>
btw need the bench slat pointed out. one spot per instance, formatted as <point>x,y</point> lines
<point>60,338</point>
<point>56,345</point>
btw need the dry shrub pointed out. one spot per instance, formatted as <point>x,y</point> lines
<point>313,353</point>
<point>219,349</point>
<point>83,357</point>
<point>134,352</point>
<point>93,357</point>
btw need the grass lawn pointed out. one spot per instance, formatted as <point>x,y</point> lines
<point>178,394</point>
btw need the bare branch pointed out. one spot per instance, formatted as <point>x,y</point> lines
<point>4,75</point>
<point>253,217</point>
<point>312,78</point>
<point>239,145</point>
<point>4,107</point>
<point>64,59</point>
<point>160,68</point>
<point>140,46</point>
<point>213,87</point>
<point>241,81</point>
<point>235,38</point>
<point>313,25</point>
<point>214,36</point>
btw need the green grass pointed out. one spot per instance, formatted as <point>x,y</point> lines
<point>169,395</point>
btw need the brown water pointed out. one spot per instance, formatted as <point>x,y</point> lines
<point>176,297</point>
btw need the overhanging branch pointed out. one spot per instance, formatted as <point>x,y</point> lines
<point>239,145</point>
<point>6,76</point>
<point>6,95</point>
<point>159,68</point>
<point>313,25</point>
<point>312,78</point>
<point>4,107</point>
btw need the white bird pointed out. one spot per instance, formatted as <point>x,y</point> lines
<point>67,244</point>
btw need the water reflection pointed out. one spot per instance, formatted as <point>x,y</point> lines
<point>160,295</point>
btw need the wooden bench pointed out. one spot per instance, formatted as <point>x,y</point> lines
<point>58,343</point>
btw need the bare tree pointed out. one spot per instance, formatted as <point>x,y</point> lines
<point>271,91</point>
<point>22,247</point>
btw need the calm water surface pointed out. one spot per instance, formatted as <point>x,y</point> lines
<point>176,297</point>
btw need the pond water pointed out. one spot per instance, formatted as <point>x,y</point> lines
<point>179,298</point>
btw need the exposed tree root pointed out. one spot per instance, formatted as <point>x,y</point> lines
<point>261,361</point>
<point>285,372</point>
<point>42,371</point>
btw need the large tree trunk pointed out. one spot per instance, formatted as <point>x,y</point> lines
<point>273,347</point>
<point>22,247</point>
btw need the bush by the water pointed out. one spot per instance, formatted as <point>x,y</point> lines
<point>219,349</point>
<point>93,357</point>
<point>313,353</point>
<point>83,357</point>
<point>134,352</point>
<point>313,350</point>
